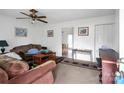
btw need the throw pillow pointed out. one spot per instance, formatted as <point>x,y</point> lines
<point>14,68</point>
<point>44,51</point>
<point>33,51</point>
<point>13,55</point>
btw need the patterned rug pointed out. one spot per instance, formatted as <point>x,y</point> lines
<point>79,63</point>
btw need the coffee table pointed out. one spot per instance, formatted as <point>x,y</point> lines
<point>41,58</point>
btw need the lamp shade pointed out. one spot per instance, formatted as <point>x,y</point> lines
<point>3,43</point>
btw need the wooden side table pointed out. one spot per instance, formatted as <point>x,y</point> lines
<point>41,58</point>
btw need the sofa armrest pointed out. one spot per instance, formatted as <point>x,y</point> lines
<point>22,54</point>
<point>33,74</point>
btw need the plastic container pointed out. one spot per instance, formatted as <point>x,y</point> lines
<point>99,62</point>
<point>119,79</point>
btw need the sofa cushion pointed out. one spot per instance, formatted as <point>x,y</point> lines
<point>16,68</point>
<point>36,46</point>
<point>12,66</point>
<point>32,51</point>
<point>3,76</point>
<point>22,48</point>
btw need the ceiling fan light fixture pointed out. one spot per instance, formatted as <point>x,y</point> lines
<point>33,21</point>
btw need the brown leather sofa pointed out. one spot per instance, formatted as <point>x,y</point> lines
<point>22,50</point>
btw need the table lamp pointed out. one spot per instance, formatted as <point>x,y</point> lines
<point>3,44</point>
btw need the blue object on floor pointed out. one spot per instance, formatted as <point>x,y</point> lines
<point>119,79</point>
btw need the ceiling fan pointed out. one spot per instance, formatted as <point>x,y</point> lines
<point>33,16</point>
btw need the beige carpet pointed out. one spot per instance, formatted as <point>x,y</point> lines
<point>68,74</point>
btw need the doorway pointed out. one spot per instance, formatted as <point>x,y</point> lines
<point>67,42</point>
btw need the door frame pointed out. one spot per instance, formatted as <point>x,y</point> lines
<point>72,36</point>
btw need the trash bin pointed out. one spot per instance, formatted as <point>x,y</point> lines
<point>99,62</point>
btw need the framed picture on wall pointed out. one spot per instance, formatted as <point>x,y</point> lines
<point>20,32</point>
<point>50,33</point>
<point>83,31</point>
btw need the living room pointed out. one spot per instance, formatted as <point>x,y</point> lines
<point>37,32</point>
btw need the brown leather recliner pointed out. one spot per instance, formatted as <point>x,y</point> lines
<point>109,65</point>
<point>22,50</point>
<point>13,71</point>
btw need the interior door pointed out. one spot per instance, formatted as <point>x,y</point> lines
<point>104,37</point>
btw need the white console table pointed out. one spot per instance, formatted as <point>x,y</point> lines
<point>87,51</point>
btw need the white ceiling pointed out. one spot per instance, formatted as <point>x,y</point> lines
<point>60,15</point>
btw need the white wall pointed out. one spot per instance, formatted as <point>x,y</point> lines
<point>117,30</point>
<point>7,31</point>
<point>81,42</point>
<point>121,43</point>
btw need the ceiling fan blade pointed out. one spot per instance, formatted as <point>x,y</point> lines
<point>22,18</point>
<point>41,17</point>
<point>25,14</point>
<point>33,10</point>
<point>42,20</point>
